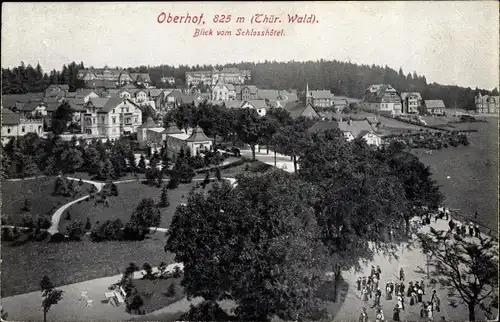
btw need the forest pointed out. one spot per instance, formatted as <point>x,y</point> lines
<point>342,78</point>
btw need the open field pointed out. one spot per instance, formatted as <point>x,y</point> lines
<point>70,262</point>
<point>39,194</point>
<point>473,173</point>
<point>122,206</point>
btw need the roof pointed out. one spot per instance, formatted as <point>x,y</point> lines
<point>30,106</point>
<point>173,129</point>
<point>155,92</point>
<point>52,106</point>
<point>356,128</point>
<point>64,87</point>
<point>322,126</point>
<point>277,95</point>
<point>253,89</point>
<point>406,94</point>
<point>99,102</point>
<point>111,104</point>
<point>129,86</point>
<point>84,92</point>
<point>375,93</point>
<point>71,94</point>
<point>233,104</point>
<point>230,70</point>
<point>9,100</point>
<point>139,76</point>
<point>297,108</point>
<point>9,117</point>
<point>100,83</point>
<point>149,124</point>
<point>198,136</point>
<point>339,101</point>
<point>434,104</point>
<point>258,104</point>
<point>321,94</point>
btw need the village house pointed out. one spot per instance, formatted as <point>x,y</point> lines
<point>487,104</point>
<point>86,95</point>
<point>246,92</point>
<point>351,129</point>
<point>168,80</point>
<point>175,140</point>
<point>298,109</point>
<point>56,90</point>
<point>223,92</point>
<point>115,76</point>
<point>319,98</point>
<point>33,109</point>
<point>382,99</point>
<point>147,130</point>
<point>15,126</point>
<point>16,101</point>
<point>141,79</point>
<point>258,105</point>
<point>211,77</point>
<point>339,104</point>
<point>111,117</point>
<point>434,107</point>
<point>412,102</point>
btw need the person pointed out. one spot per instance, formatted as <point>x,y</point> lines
<point>363,282</point>
<point>423,311</point>
<point>428,220</point>
<point>458,229</point>
<point>451,224</point>
<point>379,271</point>
<point>476,231</point>
<point>365,294</point>
<point>370,280</point>
<point>430,316</point>
<point>380,315</point>
<point>413,299</point>
<point>410,289</point>
<point>419,295</point>
<point>376,300</point>
<point>402,288</point>
<point>436,303</point>
<point>370,291</point>
<point>388,294</point>
<point>358,283</point>
<point>464,231</point>
<point>375,283</point>
<point>401,275</point>
<point>391,285</point>
<point>471,230</point>
<point>400,302</point>
<point>363,317</point>
<point>372,272</point>
<point>422,286</point>
<point>395,315</point>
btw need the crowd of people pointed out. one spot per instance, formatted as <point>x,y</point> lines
<point>369,287</point>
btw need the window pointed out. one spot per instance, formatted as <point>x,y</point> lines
<point>8,130</point>
<point>102,119</point>
<point>22,129</point>
<point>114,119</point>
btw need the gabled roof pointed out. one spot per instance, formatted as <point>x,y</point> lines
<point>100,83</point>
<point>233,104</point>
<point>9,100</point>
<point>404,95</point>
<point>198,136</point>
<point>99,102</point>
<point>434,104</point>
<point>9,117</point>
<point>355,127</point>
<point>253,89</point>
<point>129,86</point>
<point>71,94</point>
<point>30,106</point>
<point>297,108</point>
<point>140,76</point>
<point>375,93</point>
<point>173,129</point>
<point>322,126</point>
<point>52,106</point>
<point>63,87</point>
<point>321,94</point>
<point>84,92</point>
<point>112,103</point>
<point>258,104</point>
<point>155,92</point>
<point>149,124</point>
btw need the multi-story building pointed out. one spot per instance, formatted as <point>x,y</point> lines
<point>351,130</point>
<point>117,76</point>
<point>319,98</point>
<point>383,99</point>
<point>487,104</point>
<point>227,75</point>
<point>56,90</point>
<point>412,102</point>
<point>111,117</point>
<point>15,126</point>
<point>246,92</point>
<point>223,91</point>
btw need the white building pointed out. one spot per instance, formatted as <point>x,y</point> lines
<point>15,126</point>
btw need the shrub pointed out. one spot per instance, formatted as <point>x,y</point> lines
<point>109,230</point>
<point>87,224</point>
<point>114,190</point>
<point>171,290</point>
<point>135,303</point>
<point>26,206</point>
<point>27,220</point>
<point>75,230</point>
<point>149,270</point>
<point>44,222</point>
<point>80,182</point>
<point>173,183</point>
<point>177,272</point>
<point>57,238</point>
<point>68,215</point>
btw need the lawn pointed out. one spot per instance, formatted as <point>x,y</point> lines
<point>71,262</point>
<point>155,294</point>
<point>39,194</point>
<point>473,173</point>
<point>122,206</point>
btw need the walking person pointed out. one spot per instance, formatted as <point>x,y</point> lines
<point>420,293</point>
<point>379,271</point>
<point>402,288</point>
<point>430,316</point>
<point>395,315</point>
<point>365,294</point>
<point>372,272</point>
<point>370,291</point>
<point>422,286</point>
<point>363,317</point>
<point>476,231</point>
<point>413,298</point>
<point>401,275</point>
<point>379,317</point>
<point>376,300</point>
<point>423,311</point>
<point>435,301</point>
<point>451,224</point>
<point>358,283</point>
<point>464,231</point>
<point>388,293</point>
<point>471,230</point>
<point>410,289</point>
<point>363,283</point>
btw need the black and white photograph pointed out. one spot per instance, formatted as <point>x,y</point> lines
<point>250,161</point>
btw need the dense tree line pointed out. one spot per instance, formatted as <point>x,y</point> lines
<point>25,79</point>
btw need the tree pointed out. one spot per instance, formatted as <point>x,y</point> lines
<point>114,189</point>
<point>148,269</point>
<point>464,265</point>
<point>51,296</point>
<point>173,183</point>
<point>106,170</point>
<point>292,140</point>
<point>231,235</point>
<point>27,205</point>
<point>61,118</point>
<point>217,174</point>
<point>164,197</point>
<point>142,163</point>
<point>183,170</point>
<point>75,230</point>
<point>248,128</point>
<point>146,215</point>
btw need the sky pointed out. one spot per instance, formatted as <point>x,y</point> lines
<point>454,43</point>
